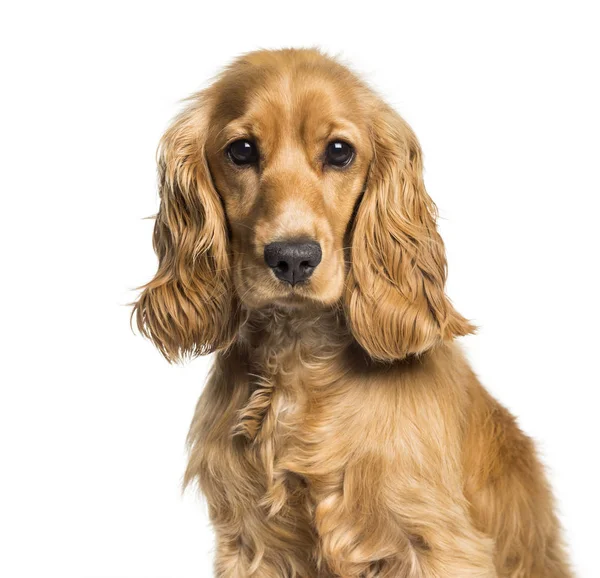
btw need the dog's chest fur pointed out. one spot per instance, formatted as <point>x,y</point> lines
<point>295,369</point>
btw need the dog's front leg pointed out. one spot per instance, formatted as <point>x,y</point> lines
<point>390,532</point>
<point>263,548</point>
<point>235,559</point>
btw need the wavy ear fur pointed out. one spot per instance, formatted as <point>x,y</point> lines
<point>394,299</point>
<point>188,308</point>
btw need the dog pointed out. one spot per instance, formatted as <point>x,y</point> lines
<point>341,432</point>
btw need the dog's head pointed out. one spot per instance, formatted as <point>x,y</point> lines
<point>288,182</point>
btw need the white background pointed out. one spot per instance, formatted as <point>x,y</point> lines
<point>505,100</point>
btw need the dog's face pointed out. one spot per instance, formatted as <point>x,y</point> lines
<point>289,152</point>
<point>289,183</point>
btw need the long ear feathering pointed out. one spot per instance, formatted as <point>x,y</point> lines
<point>189,307</point>
<point>394,296</point>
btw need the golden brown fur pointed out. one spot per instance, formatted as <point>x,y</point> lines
<point>341,433</point>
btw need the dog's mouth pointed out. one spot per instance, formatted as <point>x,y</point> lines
<point>301,292</point>
<point>314,292</point>
<point>271,291</point>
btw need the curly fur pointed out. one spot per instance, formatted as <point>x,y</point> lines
<point>341,432</point>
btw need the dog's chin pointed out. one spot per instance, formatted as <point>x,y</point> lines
<point>302,296</point>
<point>297,299</point>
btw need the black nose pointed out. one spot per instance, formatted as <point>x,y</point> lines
<point>293,262</point>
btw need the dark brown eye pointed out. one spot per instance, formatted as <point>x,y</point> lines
<point>243,152</point>
<point>339,153</point>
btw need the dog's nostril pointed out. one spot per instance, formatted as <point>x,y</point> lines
<point>306,268</point>
<point>293,262</point>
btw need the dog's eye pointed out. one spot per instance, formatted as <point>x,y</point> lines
<point>243,152</point>
<point>339,153</point>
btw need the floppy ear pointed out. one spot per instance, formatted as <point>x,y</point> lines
<point>394,297</point>
<point>188,309</point>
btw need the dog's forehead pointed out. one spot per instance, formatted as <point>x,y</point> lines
<point>310,103</point>
<point>306,105</point>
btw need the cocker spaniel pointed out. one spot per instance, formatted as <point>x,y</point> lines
<point>341,432</point>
